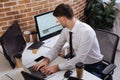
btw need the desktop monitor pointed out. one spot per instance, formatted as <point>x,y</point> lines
<point>47,25</point>
<point>13,43</point>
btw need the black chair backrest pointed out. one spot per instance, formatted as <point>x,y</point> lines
<point>108,42</point>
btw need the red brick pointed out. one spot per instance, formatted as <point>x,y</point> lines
<point>46,10</point>
<point>24,28</point>
<point>65,0</point>
<point>37,8</point>
<point>27,19</point>
<point>43,11</point>
<point>23,24</point>
<point>4,0</point>
<point>20,7</point>
<point>5,9</point>
<point>24,1</point>
<point>12,13</point>
<point>5,28</point>
<point>2,14</point>
<point>48,5</point>
<point>9,4</point>
<point>25,10</point>
<point>3,23</point>
<point>1,5</point>
<point>6,18</point>
<point>52,0</point>
<point>30,26</point>
<point>75,7</point>
<point>44,2</point>
<point>82,7</point>
<point>34,0</point>
<point>31,22</point>
<point>31,14</point>
<point>57,2</point>
<point>20,16</point>
<point>41,3</point>
<point>11,21</point>
<point>52,8</point>
<point>31,4</point>
<point>76,0</point>
<point>1,33</point>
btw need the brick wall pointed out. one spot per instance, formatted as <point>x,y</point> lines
<point>24,11</point>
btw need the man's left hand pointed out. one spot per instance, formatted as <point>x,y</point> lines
<point>51,69</point>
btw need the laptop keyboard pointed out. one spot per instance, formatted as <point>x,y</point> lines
<point>37,73</point>
<point>36,45</point>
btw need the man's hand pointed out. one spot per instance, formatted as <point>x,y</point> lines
<point>41,65</point>
<point>50,69</point>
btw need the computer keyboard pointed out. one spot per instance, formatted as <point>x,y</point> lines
<point>36,45</point>
<point>37,73</point>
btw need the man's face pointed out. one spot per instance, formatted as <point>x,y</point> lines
<point>62,21</point>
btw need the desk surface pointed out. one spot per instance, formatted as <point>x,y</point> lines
<point>28,60</point>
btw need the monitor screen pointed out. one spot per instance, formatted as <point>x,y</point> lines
<point>47,25</point>
<point>13,43</point>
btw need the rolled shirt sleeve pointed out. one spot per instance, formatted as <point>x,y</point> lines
<point>52,54</point>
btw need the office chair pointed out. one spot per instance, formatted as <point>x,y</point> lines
<point>108,42</point>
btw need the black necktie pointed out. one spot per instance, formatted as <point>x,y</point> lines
<point>70,43</point>
<point>70,54</point>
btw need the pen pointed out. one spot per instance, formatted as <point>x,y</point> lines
<point>9,76</point>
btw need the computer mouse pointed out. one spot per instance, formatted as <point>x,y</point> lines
<point>68,73</point>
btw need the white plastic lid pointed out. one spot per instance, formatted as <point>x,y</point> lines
<point>26,32</point>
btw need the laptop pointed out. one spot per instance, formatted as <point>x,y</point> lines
<point>28,76</point>
<point>30,69</point>
<point>13,44</point>
<point>40,74</point>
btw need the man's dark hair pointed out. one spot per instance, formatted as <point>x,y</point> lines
<point>63,10</point>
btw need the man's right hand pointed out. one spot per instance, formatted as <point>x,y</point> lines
<point>41,65</point>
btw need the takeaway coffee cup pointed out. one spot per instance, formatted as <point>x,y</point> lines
<point>27,35</point>
<point>34,36</point>
<point>18,60</point>
<point>79,69</point>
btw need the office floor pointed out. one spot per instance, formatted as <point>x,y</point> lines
<point>116,75</point>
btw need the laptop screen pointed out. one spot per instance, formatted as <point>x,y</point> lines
<point>13,43</point>
<point>47,25</point>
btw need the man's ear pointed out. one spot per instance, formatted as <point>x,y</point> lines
<point>64,19</point>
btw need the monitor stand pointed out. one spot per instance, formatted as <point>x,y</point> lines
<point>36,45</point>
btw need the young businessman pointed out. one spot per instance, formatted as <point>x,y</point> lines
<point>84,41</point>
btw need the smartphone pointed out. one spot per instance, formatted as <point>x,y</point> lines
<point>39,58</point>
<point>74,78</point>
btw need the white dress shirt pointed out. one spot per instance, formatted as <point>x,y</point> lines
<point>85,46</point>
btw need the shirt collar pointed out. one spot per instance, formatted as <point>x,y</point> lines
<point>75,27</point>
